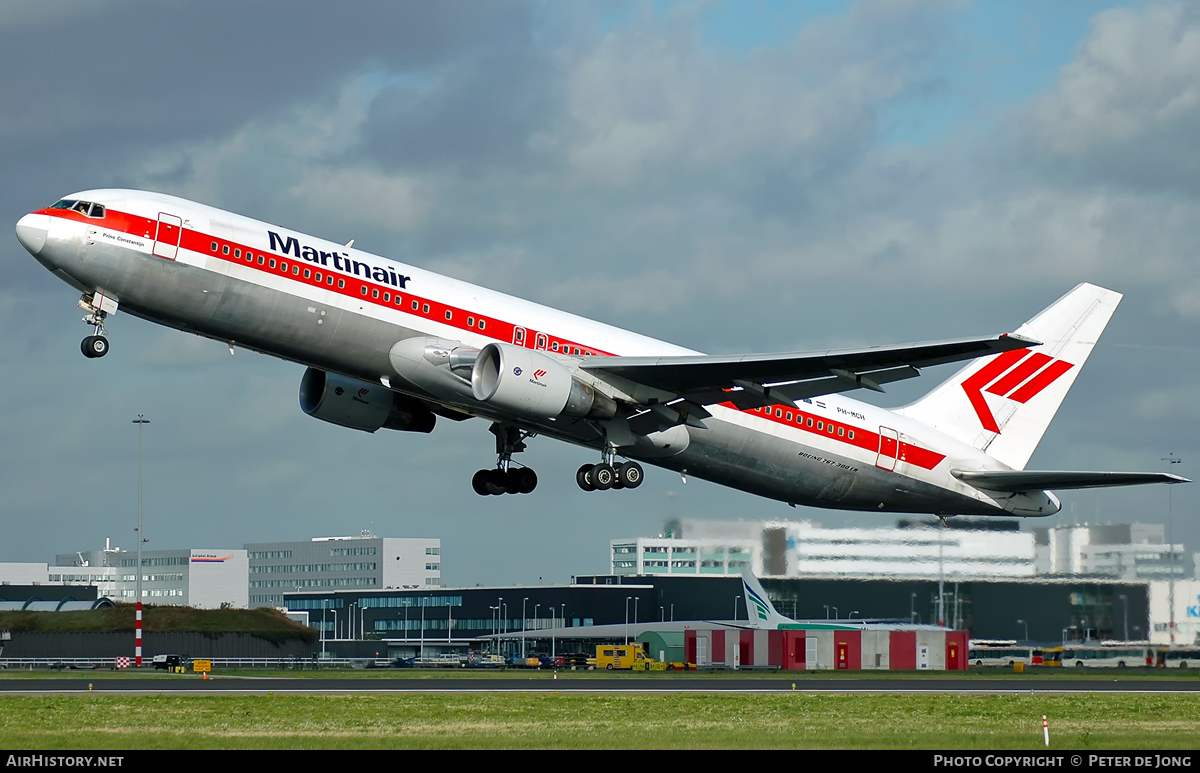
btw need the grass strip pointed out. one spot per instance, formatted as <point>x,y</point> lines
<point>599,721</point>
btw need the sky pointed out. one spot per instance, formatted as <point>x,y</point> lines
<point>727,176</point>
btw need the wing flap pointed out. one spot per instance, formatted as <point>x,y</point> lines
<point>1056,480</point>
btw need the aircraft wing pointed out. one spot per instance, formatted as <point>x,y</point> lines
<point>755,380</point>
<point>1038,480</point>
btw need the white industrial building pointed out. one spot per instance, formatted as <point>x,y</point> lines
<point>256,575</point>
<point>969,549</point>
<point>1124,551</point>
<point>364,562</point>
<point>805,549</point>
<point>201,578</point>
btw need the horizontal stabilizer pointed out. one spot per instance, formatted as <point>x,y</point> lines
<point>1055,480</point>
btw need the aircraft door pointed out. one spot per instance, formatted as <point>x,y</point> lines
<point>889,448</point>
<point>540,342</point>
<point>166,240</point>
<point>519,336</point>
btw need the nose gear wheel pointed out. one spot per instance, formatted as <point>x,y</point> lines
<point>95,345</point>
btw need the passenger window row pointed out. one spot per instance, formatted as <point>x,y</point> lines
<point>364,289</point>
<point>807,421</point>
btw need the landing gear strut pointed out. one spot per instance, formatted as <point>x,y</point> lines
<point>506,479</point>
<point>98,307</point>
<point>606,475</point>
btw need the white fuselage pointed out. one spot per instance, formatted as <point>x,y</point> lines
<point>252,284</point>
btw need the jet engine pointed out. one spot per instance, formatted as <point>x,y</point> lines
<point>533,383</point>
<point>356,404</point>
<point>511,378</point>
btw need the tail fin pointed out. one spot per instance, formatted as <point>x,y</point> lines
<point>1003,404</point>
<point>759,608</point>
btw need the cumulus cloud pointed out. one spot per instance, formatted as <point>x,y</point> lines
<point>1126,110</point>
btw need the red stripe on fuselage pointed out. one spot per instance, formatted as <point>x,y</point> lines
<point>293,269</point>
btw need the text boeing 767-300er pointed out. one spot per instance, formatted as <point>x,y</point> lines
<point>389,345</point>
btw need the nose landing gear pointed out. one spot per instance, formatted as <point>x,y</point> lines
<point>98,306</point>
<point>94,346</point>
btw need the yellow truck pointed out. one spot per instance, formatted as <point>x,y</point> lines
<point>625,657</point>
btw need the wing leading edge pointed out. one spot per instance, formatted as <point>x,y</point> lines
<point>755,380</point>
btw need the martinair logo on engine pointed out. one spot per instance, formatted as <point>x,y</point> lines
<point>537,375</point>
<point>360,395</point>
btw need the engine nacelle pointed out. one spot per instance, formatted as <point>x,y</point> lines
<point>531,382</point>
<point>356,404</point>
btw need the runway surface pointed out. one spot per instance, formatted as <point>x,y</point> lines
<point>258,685</point>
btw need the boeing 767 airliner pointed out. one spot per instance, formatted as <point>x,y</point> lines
<point>392,346</point>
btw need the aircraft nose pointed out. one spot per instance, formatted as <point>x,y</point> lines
<point>32,230</point>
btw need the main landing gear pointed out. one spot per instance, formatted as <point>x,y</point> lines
<point>506,479</point>
<point>606,475</point>
<point>94,304</point>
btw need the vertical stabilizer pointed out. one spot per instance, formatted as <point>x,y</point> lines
<point>759,608</point>
<point>1003,404</point>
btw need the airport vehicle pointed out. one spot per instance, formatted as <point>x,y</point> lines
<point>168,662</point>
<point>481,660</point>
<point>1000,655</point>
<point>618,657</point>
<point>1107,655</point>
<point>1048,656</point>
<point>1178,657</point>
<point>393,346</point>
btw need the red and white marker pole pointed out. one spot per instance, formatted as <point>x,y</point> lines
<point>1045,730</point>
<point>138,642</point>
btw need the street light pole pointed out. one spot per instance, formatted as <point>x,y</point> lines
<point>1170,459</point>
<point>1022,622</point>
<point>141,421</point>
<point>627,618</point>
<point>1125,599</point>
<point>524,622</point>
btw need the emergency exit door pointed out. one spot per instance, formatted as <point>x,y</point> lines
<point>889,448</point>
<point>166,239</point>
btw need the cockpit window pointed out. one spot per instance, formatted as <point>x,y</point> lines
<point>83,207</point>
